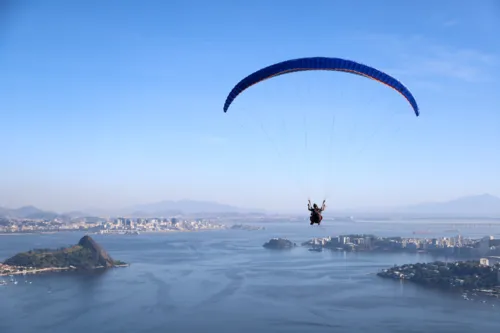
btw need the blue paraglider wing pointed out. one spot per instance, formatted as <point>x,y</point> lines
<point>320,63</point>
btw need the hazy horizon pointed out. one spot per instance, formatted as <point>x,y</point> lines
<point>331,209</point>
<point>108,106</point>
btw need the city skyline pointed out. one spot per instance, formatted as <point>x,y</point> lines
<point>111,105</point>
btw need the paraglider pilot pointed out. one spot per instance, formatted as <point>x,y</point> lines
<point>316,216</point>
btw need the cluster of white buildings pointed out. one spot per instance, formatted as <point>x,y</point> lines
<point>156,224</point>
<point>110,225</point>
<point>486,246</point>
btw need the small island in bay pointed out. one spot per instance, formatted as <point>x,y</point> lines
<point>246,227</point>
<point>460,275</point>
<point>86,255</point>
<point>279,244</point>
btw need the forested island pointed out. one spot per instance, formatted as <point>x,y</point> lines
<point>86,255</point>
<point>279,244</point>
<point>462,275</point>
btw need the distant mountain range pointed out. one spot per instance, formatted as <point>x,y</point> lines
<point>163,208</point>
<point>484,205</point>
<point>28,212</point>
<point>475,206</point>
<point>190,207</point>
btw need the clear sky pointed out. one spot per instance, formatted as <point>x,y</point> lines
<point>113,103</point>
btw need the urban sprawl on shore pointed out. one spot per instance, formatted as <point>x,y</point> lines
<point>103,226</point>
<point>457,246</point>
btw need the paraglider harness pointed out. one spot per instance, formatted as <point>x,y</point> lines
<point>316,216</point>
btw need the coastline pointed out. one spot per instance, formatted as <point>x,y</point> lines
<point>37,271</point>
<point>167,231</point>
<point>117,232</point>
<point>27,233</point>
<point>461,276</point>
<point>52,269</point>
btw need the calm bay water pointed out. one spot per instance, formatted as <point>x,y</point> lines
<point>224,281</point>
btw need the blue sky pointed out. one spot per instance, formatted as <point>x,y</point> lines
<point>112,103</point>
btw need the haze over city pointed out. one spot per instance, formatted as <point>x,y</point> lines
<point>110,105</point>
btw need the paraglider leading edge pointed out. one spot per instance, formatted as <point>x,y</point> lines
<point>320,63</point>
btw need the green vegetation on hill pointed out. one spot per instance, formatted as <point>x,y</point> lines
<point>43,258</point>
<point>86,255</point>
<point>463,274</point>
<point>279,243</point>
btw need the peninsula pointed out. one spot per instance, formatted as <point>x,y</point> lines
<point>458,246</point>
<point>86,255</point>
<point>462,275</point>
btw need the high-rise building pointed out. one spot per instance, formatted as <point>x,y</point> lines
<point>484,245</point>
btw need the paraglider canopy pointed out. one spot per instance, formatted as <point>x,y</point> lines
<point>310,164</point>
<point>320,63</point>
